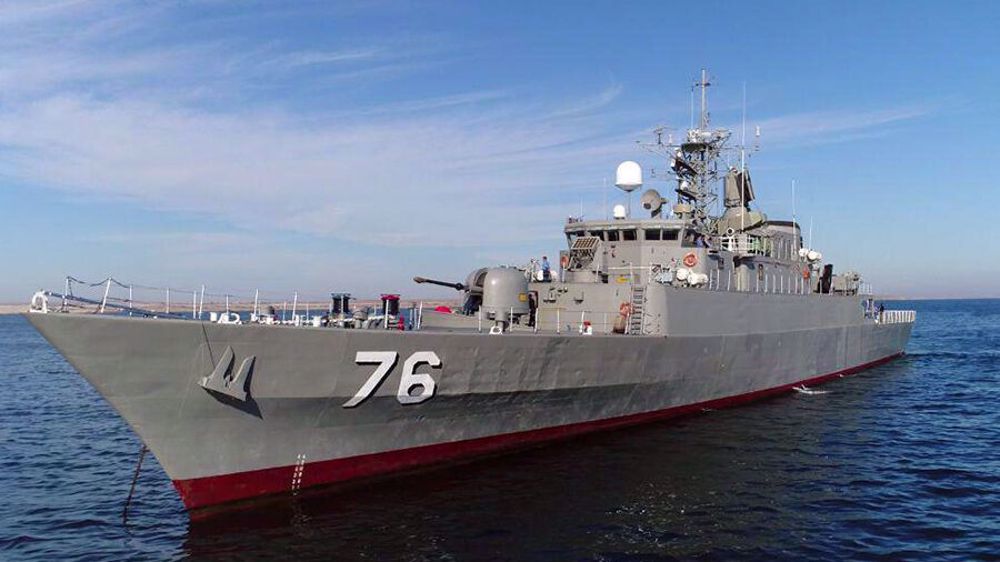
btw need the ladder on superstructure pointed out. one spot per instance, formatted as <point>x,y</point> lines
<point>638,302</point>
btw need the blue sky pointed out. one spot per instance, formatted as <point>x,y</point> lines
<point>350,146</point>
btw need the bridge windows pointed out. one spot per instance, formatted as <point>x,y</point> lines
<point>662,234</point>
<point>627,234</point>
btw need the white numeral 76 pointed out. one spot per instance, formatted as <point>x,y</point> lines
<point>408,381</point>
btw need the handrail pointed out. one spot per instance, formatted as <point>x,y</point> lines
<point>896,317</point>
<point>113,295</point>
<point>743,243</point>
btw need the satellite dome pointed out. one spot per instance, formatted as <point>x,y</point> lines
<point>628,177</point>
<point>618,211</point>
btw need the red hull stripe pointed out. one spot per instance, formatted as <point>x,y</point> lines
<point>213,490</point>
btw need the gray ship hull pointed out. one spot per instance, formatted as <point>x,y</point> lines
<point>296,426</point>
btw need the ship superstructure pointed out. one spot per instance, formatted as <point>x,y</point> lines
<point>674,309</point>
<point>617,274</point>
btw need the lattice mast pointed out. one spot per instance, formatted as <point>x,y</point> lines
<point>694,162</point>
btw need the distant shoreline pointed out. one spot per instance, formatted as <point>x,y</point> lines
<point>13,308</point>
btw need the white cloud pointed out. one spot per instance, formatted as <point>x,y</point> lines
<point>588,105</point>
<point>26,12</point>
<point>834,126</point>
<point>483,168</point>
<point>308,58</point>
<point>445,173</point>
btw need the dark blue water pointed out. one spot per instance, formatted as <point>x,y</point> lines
<point>899,462</point>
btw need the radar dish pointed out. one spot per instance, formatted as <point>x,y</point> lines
<point>652,201</point>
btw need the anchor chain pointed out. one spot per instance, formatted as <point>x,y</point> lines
<point>135,478</point>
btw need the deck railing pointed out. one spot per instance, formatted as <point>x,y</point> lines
<point>111,296</point>
<point>896,316</point>
<point>745,244</point>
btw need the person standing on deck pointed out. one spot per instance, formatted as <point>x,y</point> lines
<point>546,269</point>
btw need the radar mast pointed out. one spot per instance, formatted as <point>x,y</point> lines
<point>694,163</point>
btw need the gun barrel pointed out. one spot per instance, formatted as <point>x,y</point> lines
<point>456,286</point>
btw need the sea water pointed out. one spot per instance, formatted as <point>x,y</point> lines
<point>898,462</point>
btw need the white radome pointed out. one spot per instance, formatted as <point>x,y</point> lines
<point>628,177</point>
<point>618,211</point>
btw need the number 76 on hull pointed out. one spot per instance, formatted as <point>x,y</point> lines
<point>409,382</point>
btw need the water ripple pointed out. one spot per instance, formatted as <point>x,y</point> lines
<point>899,462</point>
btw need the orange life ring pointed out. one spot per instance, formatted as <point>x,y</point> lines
<point>564,261</point>
<point>690,259</point>
<point>805,273</point>
<point>625,309</point>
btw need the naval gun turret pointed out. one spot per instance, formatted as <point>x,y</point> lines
<point>499,294</point>
<point>473,288</point>
<point>450,285</point>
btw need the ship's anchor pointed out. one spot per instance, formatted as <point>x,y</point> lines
<point>224,381</point>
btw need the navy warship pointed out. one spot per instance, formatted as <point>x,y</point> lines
<point>694,304</point>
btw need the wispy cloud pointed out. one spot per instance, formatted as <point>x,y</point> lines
<point>472,168</point>
<point>589,104</point>
<point>836,126</point>
<point>437,103</point>
<point>310,58</point>
<point>314,178</point>
<point>106,123</point>
<point>25,12</point>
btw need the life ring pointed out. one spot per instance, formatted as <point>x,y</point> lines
<point>39,302</point>
<point>564,261</point>
<point>625,309</point>
<point>690,259</point>
<point>806,273</point>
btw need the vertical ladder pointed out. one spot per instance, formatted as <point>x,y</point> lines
<point>638,302</point>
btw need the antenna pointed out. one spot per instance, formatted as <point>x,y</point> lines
<point>605,190</point>
<point>694,160</point>
<point>692,107</point>
<point>704,84</point>
<point>743,137</point>
<point>743,160</point>
<point>795,222</point>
